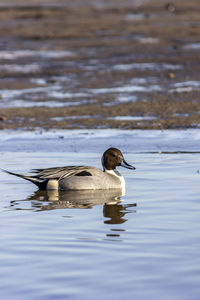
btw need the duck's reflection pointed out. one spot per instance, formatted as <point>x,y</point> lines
<point>116,212</point>
<point>73,199</point>
<point>113,208</point>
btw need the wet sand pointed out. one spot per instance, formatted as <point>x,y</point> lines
<point>130,65</point>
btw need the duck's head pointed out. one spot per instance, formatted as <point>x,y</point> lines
<point>112,158</point>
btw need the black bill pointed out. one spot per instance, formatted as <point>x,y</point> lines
<point>126,165</point>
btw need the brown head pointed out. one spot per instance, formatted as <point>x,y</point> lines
<point>112,158</point>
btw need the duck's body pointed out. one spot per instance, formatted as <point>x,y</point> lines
<point>82,177</point>
<point>97,180</point>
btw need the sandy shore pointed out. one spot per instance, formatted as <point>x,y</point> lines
<point>102,65</point>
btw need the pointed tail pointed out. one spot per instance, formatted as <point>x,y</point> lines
<point>40,184</point>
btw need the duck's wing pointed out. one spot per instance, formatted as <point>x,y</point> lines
<point>42,176</point>
<point>62,172</point>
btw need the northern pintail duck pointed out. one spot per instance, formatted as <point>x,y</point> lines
<point>82,177</point>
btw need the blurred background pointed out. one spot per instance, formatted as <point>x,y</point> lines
<point>130,64</point>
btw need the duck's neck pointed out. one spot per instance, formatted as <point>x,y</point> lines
<point>113,172</point>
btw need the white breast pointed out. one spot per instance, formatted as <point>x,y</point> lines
<point>119,176</point>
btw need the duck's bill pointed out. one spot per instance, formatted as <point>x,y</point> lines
<point>126,165</point>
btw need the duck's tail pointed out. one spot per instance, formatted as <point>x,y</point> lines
<point>40,184</point>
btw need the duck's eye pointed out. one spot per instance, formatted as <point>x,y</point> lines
<point>113,155</point>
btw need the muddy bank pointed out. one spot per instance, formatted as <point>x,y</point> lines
<point>101,65</point>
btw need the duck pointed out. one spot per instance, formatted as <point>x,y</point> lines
<point>81,177</point>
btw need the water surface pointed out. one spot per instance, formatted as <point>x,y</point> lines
<point>144,244</point>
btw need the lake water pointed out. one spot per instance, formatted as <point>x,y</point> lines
<point>145,245</point>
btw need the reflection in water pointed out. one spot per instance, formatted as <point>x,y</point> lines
<point>116,212</point>
<point>49,200</point>
<point>73,199</point>
<point>53,199</point>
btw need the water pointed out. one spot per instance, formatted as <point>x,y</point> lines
<point>145,246</point>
